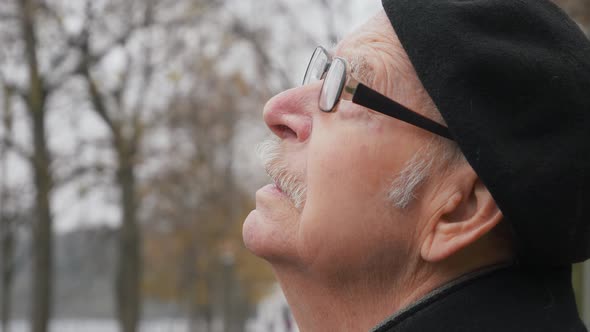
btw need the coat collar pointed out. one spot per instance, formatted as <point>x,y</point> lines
<point>490,300</point>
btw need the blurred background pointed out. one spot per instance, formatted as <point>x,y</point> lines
<point>127,165</point>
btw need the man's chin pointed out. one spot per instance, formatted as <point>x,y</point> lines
<point>270,230</point>
<point>253,239</point>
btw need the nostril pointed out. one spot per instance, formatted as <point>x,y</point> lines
<point>289,115</point>
<point>284,132</point>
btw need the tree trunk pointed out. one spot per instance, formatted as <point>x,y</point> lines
<point>128,273</point>
<point>128,282</point>
<point>42,274</point>
<point>187,286</point>
<point>42,231</point>
<point>7,273</point>
<point>6,225</point>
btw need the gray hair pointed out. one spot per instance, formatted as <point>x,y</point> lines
<point>404,186</point>
<point>287,180</point>
<point>418,169</point>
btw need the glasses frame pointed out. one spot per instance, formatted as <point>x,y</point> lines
<point>352,90</point>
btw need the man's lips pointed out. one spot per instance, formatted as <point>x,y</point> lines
<point>273,189</point>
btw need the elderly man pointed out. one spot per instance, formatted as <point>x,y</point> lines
<point>433,172</point>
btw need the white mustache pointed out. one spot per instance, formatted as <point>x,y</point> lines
<point>290,182</point>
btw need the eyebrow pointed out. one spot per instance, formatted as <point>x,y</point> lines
<point>362,69</point>
<point>359,65</point>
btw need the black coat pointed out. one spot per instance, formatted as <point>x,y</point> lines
<point>503,299</point>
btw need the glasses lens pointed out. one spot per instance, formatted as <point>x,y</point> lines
<point>333,84</point>
<point>316,67</point>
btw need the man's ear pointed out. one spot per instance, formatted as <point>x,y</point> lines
<point>466,215</point>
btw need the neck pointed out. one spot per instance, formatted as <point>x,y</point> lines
<point>360,304</point>
<point>350,305</point>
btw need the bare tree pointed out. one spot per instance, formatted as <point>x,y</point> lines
<point>6,219</point>
<point>126,124</point>
<point>36,97</point>
<point>23,47</point>
<point>125,144</point>
<point>196,201</point>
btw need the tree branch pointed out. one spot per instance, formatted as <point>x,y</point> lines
<point>96,99</point>
<point>294,21</point>
<point>244,32</point>
<point>13,88</point>
<point>9,144</point>
<point>58,60</point>
<point>80,171</point>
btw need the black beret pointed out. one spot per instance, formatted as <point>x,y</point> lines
<point>512,80</point>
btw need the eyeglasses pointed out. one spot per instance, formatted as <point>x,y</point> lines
<point>339,85</point>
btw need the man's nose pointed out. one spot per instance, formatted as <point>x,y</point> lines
<point>289,114</point>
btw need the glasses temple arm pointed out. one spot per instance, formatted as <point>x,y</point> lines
<point>367,97</point>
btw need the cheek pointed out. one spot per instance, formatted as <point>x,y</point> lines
<point>346,205</point>
<point>350,166</point>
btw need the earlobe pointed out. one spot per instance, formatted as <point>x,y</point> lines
<point>465,218</point>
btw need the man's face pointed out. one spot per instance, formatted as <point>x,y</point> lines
<point>346,160</point>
